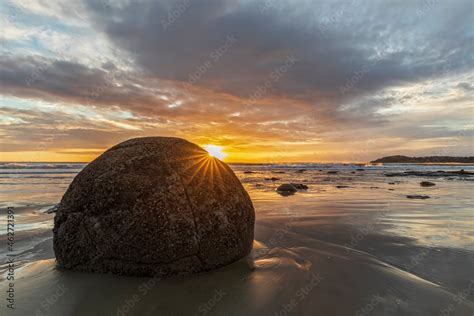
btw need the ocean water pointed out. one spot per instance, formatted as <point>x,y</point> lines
<point>355,230</point>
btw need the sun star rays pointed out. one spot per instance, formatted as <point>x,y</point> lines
<point>205,168</point>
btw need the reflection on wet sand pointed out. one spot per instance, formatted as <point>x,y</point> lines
<point>296,276</point>
<point>323,251</point>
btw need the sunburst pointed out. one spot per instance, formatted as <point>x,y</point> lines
<point>215,151</point>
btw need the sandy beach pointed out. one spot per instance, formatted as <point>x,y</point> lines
<point>352,244</point>
<point>254,158</point>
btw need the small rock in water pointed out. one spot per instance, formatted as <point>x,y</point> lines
<point>427,184</point>
<point>332,172</point>
<point>248,172</point>
<point>342,186</point>
<point>287,187</point>
<point>417,196</point>
<point>300,186</point>
<point>391,183</point>
<point>360,169</point>
<point>300,170</point>
<point>278,171</point>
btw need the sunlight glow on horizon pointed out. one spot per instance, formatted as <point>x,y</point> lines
<point>215,151</point>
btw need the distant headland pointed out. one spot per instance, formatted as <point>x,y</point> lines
<point>428,159</point>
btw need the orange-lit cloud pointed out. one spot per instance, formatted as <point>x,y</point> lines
<point>269,83</point>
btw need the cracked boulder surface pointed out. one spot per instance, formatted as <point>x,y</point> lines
<point>153,206</point>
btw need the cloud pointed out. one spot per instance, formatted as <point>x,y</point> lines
<point>242,72</point>
<point>398,45</point>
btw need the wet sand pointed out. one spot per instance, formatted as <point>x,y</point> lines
<point>358,250</point>
<point>286,274</point>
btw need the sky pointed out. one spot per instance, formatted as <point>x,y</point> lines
<point>267,81</point>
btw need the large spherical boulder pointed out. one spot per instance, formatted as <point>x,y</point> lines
<point>153,206</point>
